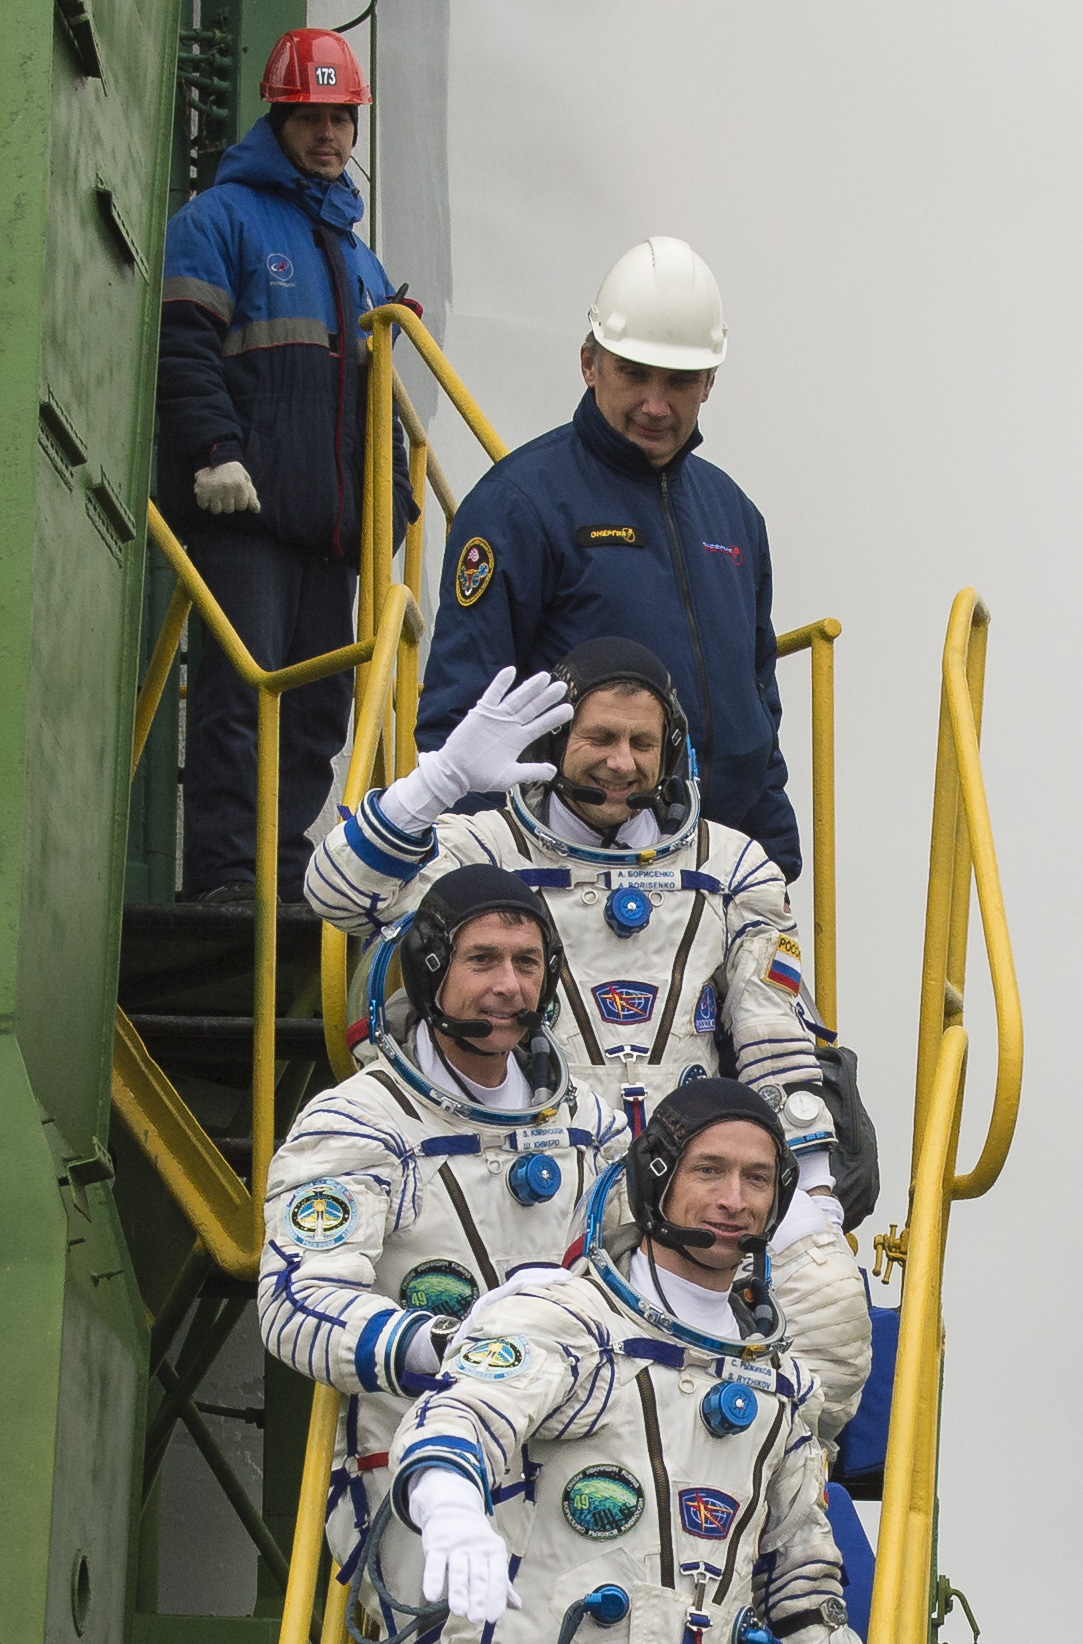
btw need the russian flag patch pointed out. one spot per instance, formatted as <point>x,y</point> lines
<point>784,970</point>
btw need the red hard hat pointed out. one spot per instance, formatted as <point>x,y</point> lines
<point>313,66</point>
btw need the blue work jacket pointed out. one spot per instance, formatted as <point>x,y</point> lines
<point>261,358</point>
<point>575,536</point>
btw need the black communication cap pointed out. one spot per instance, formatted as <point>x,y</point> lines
<point>656,1152</point>
<point>461,895</point>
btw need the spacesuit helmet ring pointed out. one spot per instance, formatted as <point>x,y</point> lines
<point>656,1152</point>
<point>596,665</point>
<point>427,946</point>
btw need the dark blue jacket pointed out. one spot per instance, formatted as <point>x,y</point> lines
<point>575,536</point>
<point>264,281</point>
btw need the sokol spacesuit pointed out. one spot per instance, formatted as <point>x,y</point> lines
<point>412,1188</point>
<point>669,925</point>
<point>639,1432</point>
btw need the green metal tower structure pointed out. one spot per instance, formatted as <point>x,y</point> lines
<point>91,138</point>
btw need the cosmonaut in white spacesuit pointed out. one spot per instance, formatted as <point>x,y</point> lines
<point>669,924</point>
<point>637,1425</point>
<point>406,1192</point>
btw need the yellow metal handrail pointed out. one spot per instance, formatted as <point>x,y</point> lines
<point>962,843</point>
<point>819,638</point>
<point>229,1217</point>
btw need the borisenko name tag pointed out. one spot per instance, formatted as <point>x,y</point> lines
<point>645,879</point>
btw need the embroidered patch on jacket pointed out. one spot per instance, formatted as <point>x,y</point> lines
<point>690,1074</point>
<point>707,1513</point>
<point>279,268</point>
<point>474,572</point>
<point>602,1502</point>
<point>706,1017</point>
<point>609,536</point>
<point>441,1287</point>
<point>784,970</point>
<point>497,1358</point>
<point>625,1001</point>
<point>321,1214</point>
<point>730,549</point>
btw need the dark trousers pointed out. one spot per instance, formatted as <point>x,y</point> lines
<point>286,605</point>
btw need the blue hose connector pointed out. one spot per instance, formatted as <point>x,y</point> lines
<point>627,911</point>
<point>534,1179</point>
<point>728,1407</point>
<point>748,1629</point>
<point>607,1604</point>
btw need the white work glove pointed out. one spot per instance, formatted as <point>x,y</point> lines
<point>460,1546</point>
<point>482,751</point>
<point>226,490</point>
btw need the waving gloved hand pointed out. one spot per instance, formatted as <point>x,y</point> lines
<point>226,490</point>
<point>482,752</point>
<point>460,1547</point>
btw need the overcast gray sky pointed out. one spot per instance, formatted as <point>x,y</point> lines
<point>890,198</point>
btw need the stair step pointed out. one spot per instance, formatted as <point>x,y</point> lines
<point>227,1038</point>
<point>211,918</point>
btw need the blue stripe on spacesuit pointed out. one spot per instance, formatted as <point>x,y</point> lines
<point>364,1356</point>
<point>367,851</point>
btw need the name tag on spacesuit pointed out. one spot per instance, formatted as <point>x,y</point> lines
<point>760,1376</point>
<point>540,1139</point>
<point>645,879</point>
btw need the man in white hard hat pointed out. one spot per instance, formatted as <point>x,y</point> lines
<point>611,526</point>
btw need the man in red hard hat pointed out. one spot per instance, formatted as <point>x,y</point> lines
<point>261,399</point>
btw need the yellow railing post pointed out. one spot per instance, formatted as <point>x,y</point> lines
<point>311,1505</point>
<point>266,953</point>
<point>383,489</point>
<point>819,638</point>
<point>961,845</point>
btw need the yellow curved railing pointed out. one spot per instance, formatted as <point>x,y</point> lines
<point>962,844</point>
<point>228,1216</point>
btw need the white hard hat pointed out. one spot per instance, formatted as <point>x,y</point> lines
<point>660,305</point>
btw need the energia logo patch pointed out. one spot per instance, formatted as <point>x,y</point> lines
<point>603,1502</point>
<point>321,1214</point>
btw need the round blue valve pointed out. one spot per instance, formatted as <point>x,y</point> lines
<point>748,1629</point>
<point>534,1178</point>
<point>607,1604</point>
<point>627,911</point>
<point>728,1407</point>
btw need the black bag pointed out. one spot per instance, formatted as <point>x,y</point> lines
<point>854,1162</point>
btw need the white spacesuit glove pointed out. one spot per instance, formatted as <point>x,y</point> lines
<point>421,1356</point>
<point>482,752</point>
<point>814,1177</point>
<point>226,490</point>
<point>460,1547</point>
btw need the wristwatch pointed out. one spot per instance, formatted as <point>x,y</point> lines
<point>831,1613</point>
<point>441,1330</point>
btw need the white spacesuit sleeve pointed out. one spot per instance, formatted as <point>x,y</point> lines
<point>530,1356</point>
<point>820,1290</point>
<point>760,985</point>
<point>799,1566</point>
<point>341,1181</point>
<point>367,872</point>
